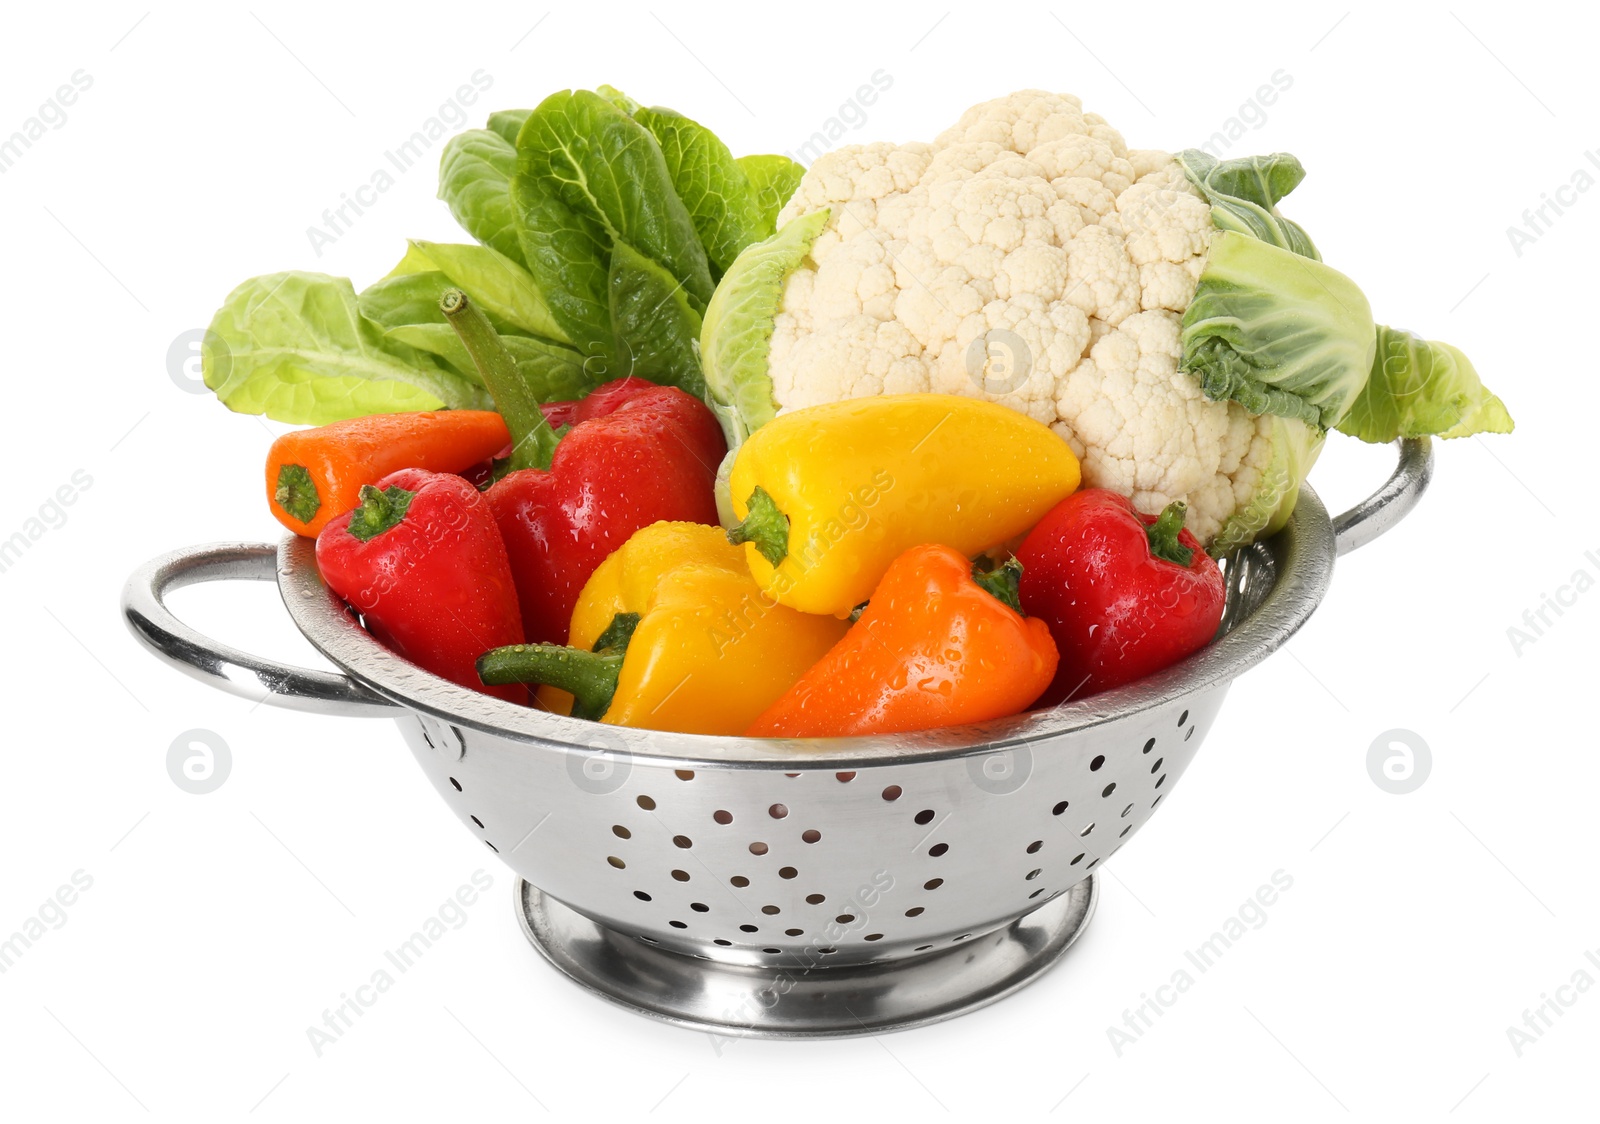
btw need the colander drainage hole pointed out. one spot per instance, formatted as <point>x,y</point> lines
<point>722,817</point>
<point>933,883</point>
<point>772,951</point>
<point>1156,768</point>
<point>922,948</point>
<point>777,811</point>
<point>722,942</point>
<point>616,862</point>
<point>844,778</point>
<point>648,940</point>
<point>740,881</point>
<point>828,951</point>
<point>1032,874</point>
<point>924,816</point>
<point>962,937</point>
<point>935,851</point>
<point>1037,892</point>
<point>1077,859</point>
<point>1109,789</point>
<point>1125,831</point>
<point>1092,864</point>
<point>616,829</point>
<point>1161,780</point>
<point>1126,810</point>
<point>845,918</point>
<point>1059,808</point>
<point>815,899</point>
<point>1156,801</point>
<point>1189,733</point>
<point>1183,718</point>
<point>771,910</point>
<point>811,835</point>
<point>794,932</point>
<point>749,929</point>
<point>1149,745</point>
<point>642,896</point>
<point>646,803</point>
<point>758,848</point>
<point>491,846</point>
<point>683,774</point>
<point>477,821</point>
<point>1033,848</point>
<point>788,872</point>
<point>1094,766</point>
<point>682,841</point>
<point>678,924</point>
<point>915,911</point>
<point>681,875</point>
<point>892,792</point>
<point>700,907</point>
<point>1086,830</point>
<point>873,937</point>
<point>456,783</point>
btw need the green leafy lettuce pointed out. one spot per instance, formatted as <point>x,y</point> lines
<point>296,347</point>
<point>600,228</point>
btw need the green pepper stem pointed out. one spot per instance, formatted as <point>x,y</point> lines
<point>379,511</point>
<point>1163,535</point>
<point>590,677</point>
<point>296,492</point>
<point>533,442</point>
<point>765,526</point>
<point>1004,582</point>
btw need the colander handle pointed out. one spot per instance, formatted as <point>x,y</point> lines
<point>228,669</point>
<point>1390,503</point>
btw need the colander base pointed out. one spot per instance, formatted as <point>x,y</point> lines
<point>770,1001</point>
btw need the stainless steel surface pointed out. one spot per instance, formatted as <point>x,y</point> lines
<point>228,669</point>
<point>1390,503</point>
<point>801,995</point>
<point>745,852</point>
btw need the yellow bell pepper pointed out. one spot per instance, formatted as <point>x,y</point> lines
<point>671,633</point>
<point>830,495</point>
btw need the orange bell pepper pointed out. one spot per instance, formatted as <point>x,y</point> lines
<point>937,645</point>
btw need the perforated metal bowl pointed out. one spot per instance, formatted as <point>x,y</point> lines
<point>774,887</point>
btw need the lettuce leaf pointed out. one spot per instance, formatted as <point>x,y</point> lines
<point>654,326</point>
<point>497,284</point>
<point>568,255</point>
<point>772,182</point>
<point>475,172</point>
<point>581,149</point>
<point>296,348</point>
<point>710,182</point>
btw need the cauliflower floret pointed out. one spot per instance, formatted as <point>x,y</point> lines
<point>1028,257</point>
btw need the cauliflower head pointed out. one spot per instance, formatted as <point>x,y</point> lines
<point>1029,258</point>
<point>1133,300</point>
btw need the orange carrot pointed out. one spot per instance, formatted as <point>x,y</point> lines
<point>314,475</point>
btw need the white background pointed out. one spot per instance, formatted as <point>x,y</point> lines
<point>219,927</point>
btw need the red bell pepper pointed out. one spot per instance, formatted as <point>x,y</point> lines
<point>637,454</point>
<point>1124,594</point>
<point>421,560</point>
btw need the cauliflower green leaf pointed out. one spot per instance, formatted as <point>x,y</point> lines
<point>1419,387</point>
<point>1277,332</point>
<point>737,334</point>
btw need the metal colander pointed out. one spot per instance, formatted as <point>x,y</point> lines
<point>772,887</point>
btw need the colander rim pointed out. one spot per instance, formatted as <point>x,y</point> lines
<point>1303,553</point>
